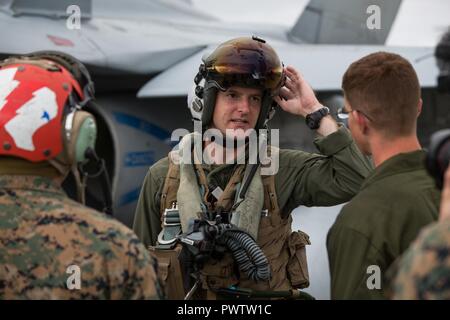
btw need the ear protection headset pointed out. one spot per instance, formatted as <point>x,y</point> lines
<point>41,116</point>
<point>81,133</point>
<point>80,128</point>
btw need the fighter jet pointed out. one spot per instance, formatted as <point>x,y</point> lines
<point>143,56</point>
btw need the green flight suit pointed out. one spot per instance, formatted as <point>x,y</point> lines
<point>381,221</point>
<point>325,179</point>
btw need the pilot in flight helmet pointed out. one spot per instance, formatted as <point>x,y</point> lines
<point>245,61</point>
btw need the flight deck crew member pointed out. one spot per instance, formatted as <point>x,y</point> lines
<point>52,247</point>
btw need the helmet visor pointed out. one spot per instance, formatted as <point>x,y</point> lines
<point>247,62</point>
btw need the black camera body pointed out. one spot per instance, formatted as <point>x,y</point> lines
<point>438,156</point>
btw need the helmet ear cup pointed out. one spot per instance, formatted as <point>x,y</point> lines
<point>202,100</point>
<point>83,134</point>
<point>195,104</point>
<point>209,102</point>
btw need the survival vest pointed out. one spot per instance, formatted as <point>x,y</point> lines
<point>284,249</point>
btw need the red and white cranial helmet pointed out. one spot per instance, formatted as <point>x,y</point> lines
<point>33,98</point>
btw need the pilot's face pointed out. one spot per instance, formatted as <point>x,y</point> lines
<point>237,108</point>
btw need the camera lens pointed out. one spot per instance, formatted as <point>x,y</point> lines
<point>438,156</point>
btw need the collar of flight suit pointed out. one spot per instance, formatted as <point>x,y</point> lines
<point>402,162</point>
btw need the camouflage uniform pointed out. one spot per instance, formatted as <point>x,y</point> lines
<point>423,272</point>
<point>43,232</point>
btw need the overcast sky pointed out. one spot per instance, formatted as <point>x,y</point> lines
<point>418,22</point>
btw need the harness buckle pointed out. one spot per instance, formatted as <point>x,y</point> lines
<point>171,226</point>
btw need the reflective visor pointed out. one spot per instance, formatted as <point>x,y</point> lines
<point>247,62</point>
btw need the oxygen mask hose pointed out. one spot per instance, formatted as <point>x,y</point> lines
<point>248,255</point>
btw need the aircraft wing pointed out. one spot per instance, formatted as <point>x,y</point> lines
<point>120,45</point>
<point>322,65</point>
<point>176,80</point>
<point>143,39</point>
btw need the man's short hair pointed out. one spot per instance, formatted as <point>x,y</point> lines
<point>385,87</point>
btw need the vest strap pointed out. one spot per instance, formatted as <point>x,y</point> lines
<point>171,228</point>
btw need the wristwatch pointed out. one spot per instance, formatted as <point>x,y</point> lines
<point>313,119</point>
